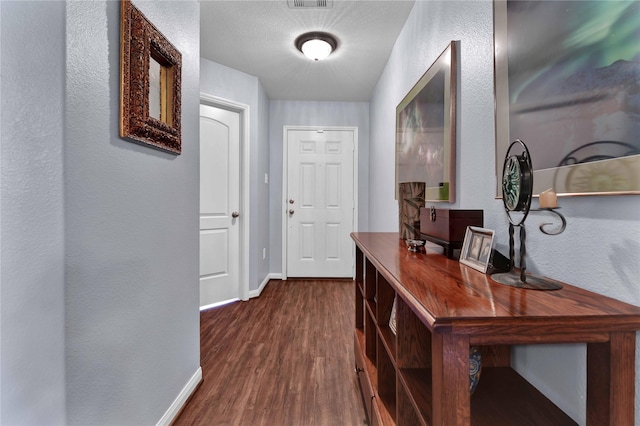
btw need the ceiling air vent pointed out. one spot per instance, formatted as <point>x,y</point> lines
<point>310,4</point>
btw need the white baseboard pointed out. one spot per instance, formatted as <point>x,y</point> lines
<point>256,293</point>
<point>181,399</point>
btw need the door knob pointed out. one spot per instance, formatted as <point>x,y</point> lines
<point>291,201</point>
<point>291,211</point>
<point>235,214</point>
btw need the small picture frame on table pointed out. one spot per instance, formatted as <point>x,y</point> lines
<point>476,249</point>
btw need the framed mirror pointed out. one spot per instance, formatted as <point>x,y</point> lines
<point>566,83</point>
<point>426,130</point>
<point>150,83</point>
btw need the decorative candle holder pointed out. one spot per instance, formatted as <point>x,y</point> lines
<point>544,227</point>
<point>517,189</point>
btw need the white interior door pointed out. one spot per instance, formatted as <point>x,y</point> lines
<point>219,205</point>
<point>320,202</point>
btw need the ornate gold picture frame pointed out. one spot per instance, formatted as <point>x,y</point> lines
<point>150,83</point>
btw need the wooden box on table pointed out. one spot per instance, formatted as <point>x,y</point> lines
<point>447,227</point>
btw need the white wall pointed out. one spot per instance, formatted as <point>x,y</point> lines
<point>262,232</point>
<point>32,343</point>
<point>227,83</point>
<point>301,113</point>
<point>131,227</point>
<point>601,246</point>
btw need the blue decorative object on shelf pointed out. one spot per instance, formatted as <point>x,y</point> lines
<point>475,367</point>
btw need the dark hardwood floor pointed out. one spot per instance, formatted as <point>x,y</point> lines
<point>284,358</point>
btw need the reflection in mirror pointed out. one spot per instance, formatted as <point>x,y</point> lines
<point>426,130</point>
<point>155,88</point>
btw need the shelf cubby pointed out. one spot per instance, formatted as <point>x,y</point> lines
<point>385,296</point>
<point>360,307</point>
<point>370,278</point>
<point>503,393</point>
<point>414,395</point>
<point>370,333</point>
<point>359,261</point>
<point>413,337</point>
<point>386,381</point>
<point>388,341</point>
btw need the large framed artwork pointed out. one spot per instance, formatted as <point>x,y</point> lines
<point>426,129</point>
<point>567,83</point>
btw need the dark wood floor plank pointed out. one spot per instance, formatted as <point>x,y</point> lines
<point>284,358</point>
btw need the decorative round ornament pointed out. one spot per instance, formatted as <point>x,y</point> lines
<point>475,367</point>
<point>517,182</point>
<point>517,190</point>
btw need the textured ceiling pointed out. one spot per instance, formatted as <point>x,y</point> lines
<point>257,37</point>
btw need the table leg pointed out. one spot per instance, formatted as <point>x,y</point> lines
<point>611,380</point>
<point>450,367</point>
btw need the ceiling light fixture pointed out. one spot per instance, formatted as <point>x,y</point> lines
<point>316,45</point>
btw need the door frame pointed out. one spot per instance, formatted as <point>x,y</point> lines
<point>285,180</point>
<point>243,111</point>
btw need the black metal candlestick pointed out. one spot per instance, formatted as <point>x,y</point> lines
<point>522,204</point>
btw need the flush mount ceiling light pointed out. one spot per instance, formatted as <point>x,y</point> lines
<point>316,45</point>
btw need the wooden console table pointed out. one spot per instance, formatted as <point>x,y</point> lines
<point>420,375</point>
